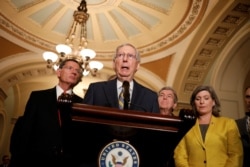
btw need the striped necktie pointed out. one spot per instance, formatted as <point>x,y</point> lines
<point>124,96</point>
<point>121,100</point>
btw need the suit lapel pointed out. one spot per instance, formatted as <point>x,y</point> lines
<point>51,98</point>
<point>211,129</point>
<point>197,133</point>
<point>111,93</point>
<point>136,93</point>
<point>244,128</point>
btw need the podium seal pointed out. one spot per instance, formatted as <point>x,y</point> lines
<point>118,154</point>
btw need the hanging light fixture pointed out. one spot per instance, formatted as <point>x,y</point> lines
<point>69,50</point>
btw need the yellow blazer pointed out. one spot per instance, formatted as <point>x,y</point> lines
<point>222,146</point>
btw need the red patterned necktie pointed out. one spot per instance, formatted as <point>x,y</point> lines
<point>63,102</point>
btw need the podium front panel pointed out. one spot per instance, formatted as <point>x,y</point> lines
<point>154,136</point>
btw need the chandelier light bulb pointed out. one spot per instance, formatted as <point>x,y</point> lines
<point>87,53</point>
<point>85,72</point>
<point>95,65</point>
<point>50,56</point>
<point>62,48</point>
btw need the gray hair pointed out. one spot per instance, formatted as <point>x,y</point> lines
<point>138,57</point>
<point>171,89</point>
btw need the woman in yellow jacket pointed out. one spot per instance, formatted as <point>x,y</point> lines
<point>213,141</point>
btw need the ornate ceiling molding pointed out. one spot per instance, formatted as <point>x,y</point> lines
<point>194,11</point>
<point>213,44</point>
<point>20,33</point>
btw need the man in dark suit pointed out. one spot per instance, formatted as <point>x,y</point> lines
<point>126,62</point>
<point>44,133</point>
<point>244,128</point>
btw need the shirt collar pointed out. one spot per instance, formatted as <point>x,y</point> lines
<point>59,91</point>
<point>119,85</point>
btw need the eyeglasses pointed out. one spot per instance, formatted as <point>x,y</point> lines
<point>79,71</point>
<point>122,55</point>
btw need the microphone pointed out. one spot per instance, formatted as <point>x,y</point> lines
<point>126,94</point>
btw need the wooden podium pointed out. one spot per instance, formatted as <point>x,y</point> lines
<point>154,136</point>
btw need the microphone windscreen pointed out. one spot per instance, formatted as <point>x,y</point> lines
<point>125,84</point>
<point>126,91</point>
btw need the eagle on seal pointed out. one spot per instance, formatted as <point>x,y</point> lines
<point>120,162</point>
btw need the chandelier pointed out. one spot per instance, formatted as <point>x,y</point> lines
<point>78,51</point>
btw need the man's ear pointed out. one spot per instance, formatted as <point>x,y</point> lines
<point>138,66</point>
<point>175,105</point>
<point>113,64</point>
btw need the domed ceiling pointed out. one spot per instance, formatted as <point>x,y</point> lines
<point>179,40</point>
<point>151,25</point>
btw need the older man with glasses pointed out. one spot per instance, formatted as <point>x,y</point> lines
<point>126,63</point>
<point>122,92</point>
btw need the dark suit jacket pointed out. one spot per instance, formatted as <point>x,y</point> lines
<point>245,138</point>
<point>40,136</point>
<point>105,94</point>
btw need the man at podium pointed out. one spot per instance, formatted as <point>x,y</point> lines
<point>126,62</point>
<point>123,93</point>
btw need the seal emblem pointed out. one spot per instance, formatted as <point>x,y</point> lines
<point>118,154</point>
